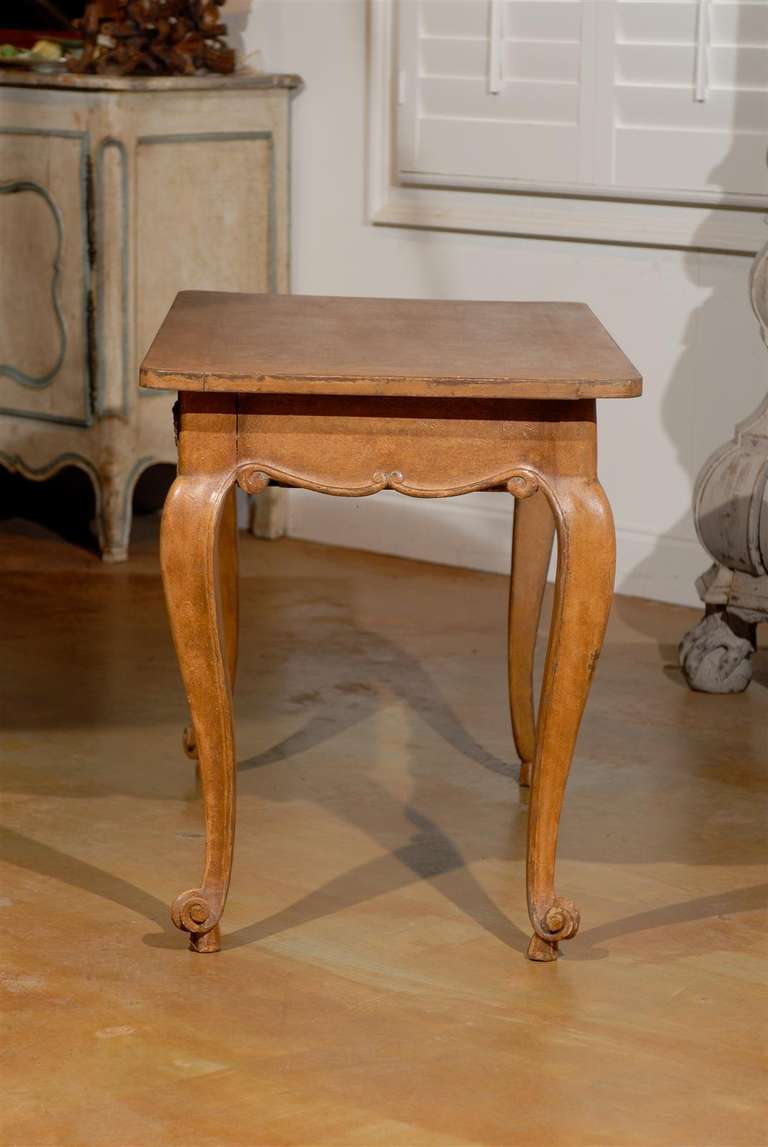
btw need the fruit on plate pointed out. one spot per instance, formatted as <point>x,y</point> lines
<point>47,50</point>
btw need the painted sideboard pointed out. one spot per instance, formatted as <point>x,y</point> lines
<point>114,195</point>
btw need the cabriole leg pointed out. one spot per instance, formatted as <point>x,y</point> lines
<point>230,607</point>
<point>192,568</point>
<point>532,537</point>
<point>583,592</point>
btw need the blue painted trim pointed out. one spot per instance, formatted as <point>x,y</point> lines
<point>101,408</point>
<point>43,416</point>
<point>84,139</point>
<point>15,187</point>
<point>228,137</point>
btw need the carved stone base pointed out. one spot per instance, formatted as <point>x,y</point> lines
<point>716,655</point>
<point>730,510</point>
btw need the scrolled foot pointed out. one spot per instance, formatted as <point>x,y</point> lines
<point>714,657</point>
<point>191,912</point>
<point>560,922</point>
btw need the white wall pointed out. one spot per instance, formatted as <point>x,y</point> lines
<point>683,318</point>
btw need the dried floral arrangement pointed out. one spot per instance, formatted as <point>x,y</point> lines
<point>153,37</point>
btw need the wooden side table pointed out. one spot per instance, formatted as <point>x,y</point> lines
<point>431,399</point>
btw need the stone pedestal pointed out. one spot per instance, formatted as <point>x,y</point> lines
<point>731,515</point>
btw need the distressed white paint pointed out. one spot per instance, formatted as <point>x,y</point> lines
<point>683,317</point>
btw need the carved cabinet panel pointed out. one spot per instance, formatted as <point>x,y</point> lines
<point>44,274</point>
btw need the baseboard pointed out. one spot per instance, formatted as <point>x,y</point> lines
<point>475,532</point>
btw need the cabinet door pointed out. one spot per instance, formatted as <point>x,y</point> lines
<point>44,274</point>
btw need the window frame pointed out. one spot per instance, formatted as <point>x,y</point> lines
<point>690,220</point>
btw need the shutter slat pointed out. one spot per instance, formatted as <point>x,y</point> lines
<point>523,61</point>
<point>672,65</point>
<point>526,102</point>
<point>664,107</point>
<point>543,19</point>
<point>499,150</point>
<point>681,160</point>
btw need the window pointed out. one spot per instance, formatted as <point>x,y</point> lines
<point>651,102</point>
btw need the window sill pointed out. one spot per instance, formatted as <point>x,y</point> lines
<point>624,222</point>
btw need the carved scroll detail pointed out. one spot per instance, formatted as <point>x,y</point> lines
<point>560,922</point>
<point>254,477</point>
<point>192,913</point>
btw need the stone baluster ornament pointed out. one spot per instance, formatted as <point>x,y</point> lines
<point>731,516</point>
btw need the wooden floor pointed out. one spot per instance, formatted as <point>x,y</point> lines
<point>372,990</point>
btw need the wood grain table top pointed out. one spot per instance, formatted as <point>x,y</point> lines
<point>311,344</point>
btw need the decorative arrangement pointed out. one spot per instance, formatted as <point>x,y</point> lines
<point>153,37</point>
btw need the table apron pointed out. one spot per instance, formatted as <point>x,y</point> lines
<point>426,448</point>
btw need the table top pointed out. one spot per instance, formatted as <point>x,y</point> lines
<point>311,344</point>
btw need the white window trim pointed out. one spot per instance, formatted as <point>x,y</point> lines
<point>620,220</point>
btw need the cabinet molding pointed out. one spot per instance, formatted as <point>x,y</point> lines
<point>7,368</point>
<point>105,149</point>
<point>14,186</point>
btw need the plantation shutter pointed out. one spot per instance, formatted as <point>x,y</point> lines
<point>596,97</point>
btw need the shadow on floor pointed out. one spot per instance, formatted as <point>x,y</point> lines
<point>382,875</point>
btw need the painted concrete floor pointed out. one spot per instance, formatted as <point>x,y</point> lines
<point>372,990</point>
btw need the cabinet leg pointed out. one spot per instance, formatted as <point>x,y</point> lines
<point>230,599</point>
<point>269,513</point>
<point>532,537</point>
<point>115,514</point>
<point>191,567</point>
<point>113,521</point>
<point>583,592</point>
